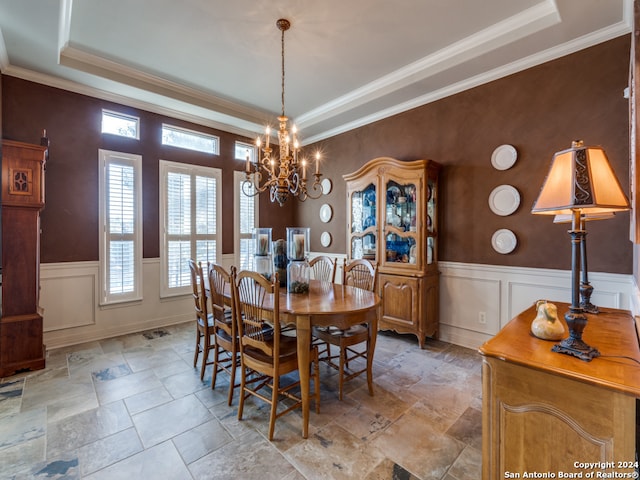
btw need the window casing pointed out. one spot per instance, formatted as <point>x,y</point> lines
<point>245,208</point>
<point>190,200</point>
<point>243,149</point>
<point>120,124</point>
<point>120,214</point>
<point>245,220</point>
<point>190,139</point>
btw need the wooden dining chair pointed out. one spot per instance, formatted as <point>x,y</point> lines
<point>361,274</point>
<point>265,353</point>
<point>204,320</point>
<point>323,268</point>
<point>226,353</point>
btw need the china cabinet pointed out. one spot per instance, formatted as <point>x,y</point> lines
<point>392,220</point>
<point>21,328</point>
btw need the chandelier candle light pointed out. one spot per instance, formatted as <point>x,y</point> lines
<point>287,175</point>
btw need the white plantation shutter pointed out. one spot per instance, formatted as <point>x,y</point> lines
<point>190,210</point>
<point>246,219</point>
<point>178,234</point>
<point>206,208</point>
<point>121,218</point>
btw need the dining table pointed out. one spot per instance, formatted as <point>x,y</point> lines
<point>326,304</point>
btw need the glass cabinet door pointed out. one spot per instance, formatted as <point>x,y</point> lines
<point>401,210</point>
<point>432,219</point>
<point>363,223</point>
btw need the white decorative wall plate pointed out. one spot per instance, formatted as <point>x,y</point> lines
<point>326,212</point>
<point>325,239</point>
<point>504,200</point>
<point>504,241</point>
<point>326,186</point>
<point>504,157</point>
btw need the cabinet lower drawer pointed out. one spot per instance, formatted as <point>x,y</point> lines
<point>400,301</point>
<point>21,346</point>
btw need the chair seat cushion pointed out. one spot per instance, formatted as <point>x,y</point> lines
<point>288,350</point>
<point>209,320</point>
<point>228,317</point>
<point>220,333</point>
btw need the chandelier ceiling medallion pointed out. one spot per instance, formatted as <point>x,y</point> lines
<point>286,174</point>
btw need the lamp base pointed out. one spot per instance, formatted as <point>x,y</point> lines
<point>574,345</point>
<point>577,348</point>
<point>585,294</point>
<point>589,308</point>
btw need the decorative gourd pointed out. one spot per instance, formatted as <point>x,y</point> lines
<point>546,325</point>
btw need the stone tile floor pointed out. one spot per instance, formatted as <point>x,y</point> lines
<point>134,407</point>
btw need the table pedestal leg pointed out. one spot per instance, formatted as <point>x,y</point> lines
<point>303,334</point>
<point>373,335</point>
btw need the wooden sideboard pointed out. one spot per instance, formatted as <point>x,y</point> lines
<point>545,412</point>
<point>21,326</point>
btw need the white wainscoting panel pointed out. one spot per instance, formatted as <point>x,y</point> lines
<point>502,292</point>
<point>479,300</point>
<point>72,314</point>
<point>635,302</point>
<point>68,293</point>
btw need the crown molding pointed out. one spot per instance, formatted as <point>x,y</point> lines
<point>502,33</point>
<point>234,125</point>
<point>567,48</point>
<point>78,59</point>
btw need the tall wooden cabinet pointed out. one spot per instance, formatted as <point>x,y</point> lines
<point>21,329</point>
<point>392,220</point>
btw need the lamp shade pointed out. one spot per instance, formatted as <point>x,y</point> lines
<point>587,217</point>
<point>580,178</point>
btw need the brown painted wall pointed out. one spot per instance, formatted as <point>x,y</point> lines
<point>70,218</point>
<point>539,111</point>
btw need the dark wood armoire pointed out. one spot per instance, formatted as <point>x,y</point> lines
<point>21,328</point>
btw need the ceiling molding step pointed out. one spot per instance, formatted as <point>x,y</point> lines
<point>78,59</point>
<point>4,55</point>
<point>568,48</point>
<point>225,124</point>
<point>516,27</point>
<point>64,25</point>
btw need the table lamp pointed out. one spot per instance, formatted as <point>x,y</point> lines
<point>586,289</point>
<point>580,182</point>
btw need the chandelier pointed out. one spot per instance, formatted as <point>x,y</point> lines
<point>285,175</point>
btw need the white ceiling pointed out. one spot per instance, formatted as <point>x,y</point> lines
<point>348,62</point>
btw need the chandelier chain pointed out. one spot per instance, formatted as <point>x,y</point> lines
<point>284,175</point>
<point>282,44</point>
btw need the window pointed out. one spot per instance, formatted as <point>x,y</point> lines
<point>120,124</point>
<point>190,139</point>
<point>243,149</point>
<point>245,208</point>
<point>246,219</point>
<point>120,187</point>
<point>190,199</point>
